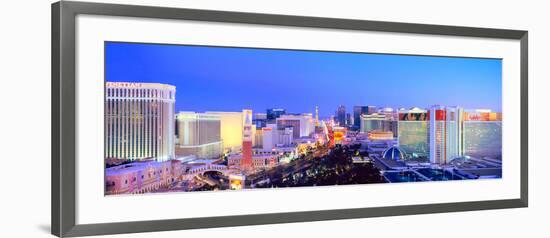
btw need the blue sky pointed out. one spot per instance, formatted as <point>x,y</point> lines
<point>230,79</point>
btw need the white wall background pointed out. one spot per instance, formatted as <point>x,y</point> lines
<point>25,118</point>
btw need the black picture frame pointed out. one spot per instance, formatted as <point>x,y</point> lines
<point>63,119</point>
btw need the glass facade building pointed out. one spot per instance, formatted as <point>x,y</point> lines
<point>413,133</point>
<point>260,120</point>
<point>357,112</point>
<point>483,139</point>
<point>341,115</point>
<point>377,122</point>
<point>274,113</point>
<point>413,138</point>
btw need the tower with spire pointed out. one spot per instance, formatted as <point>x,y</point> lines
<point>317,116</point>
<point>246,161</point>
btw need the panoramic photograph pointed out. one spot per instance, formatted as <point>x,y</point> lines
<point>186,118</point>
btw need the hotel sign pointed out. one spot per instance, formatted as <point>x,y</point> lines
<point>139,85</point>
<point>123,85</point>
<point>413,116</point>
<point>482,116</point>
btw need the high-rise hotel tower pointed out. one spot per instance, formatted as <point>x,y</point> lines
<point>139,121</point>
<point>445,133</point>
<point>199,134</point>
<point>413,132</point>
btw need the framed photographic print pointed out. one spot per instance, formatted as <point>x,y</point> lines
<point>167,118</point>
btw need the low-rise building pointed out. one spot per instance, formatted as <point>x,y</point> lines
<point>259,161</point>
<point>141,177</point>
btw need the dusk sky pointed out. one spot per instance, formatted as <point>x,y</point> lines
<point>230,79</point>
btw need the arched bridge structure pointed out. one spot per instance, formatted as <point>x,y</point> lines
<point>201,169</point>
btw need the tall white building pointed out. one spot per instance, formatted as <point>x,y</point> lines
<point>139,120</point>
<point>274,137</point>
<point>445,133</point>
<point>284,137</point>
<point>302,125</point>
<point>199,134</point>
<point>268,140</point>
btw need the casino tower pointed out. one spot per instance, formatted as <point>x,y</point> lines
<point>139,121</point>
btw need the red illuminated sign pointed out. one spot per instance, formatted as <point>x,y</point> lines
<point>440,115</point>
<point>482,116</point>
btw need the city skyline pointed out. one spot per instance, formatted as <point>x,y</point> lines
<point>180,118</point>
<point>259,79</point>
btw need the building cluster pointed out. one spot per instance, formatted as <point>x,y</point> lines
<point>259,160</point>
<point>140,125</point>
<point>151,142</point>
<point>437,134</point>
